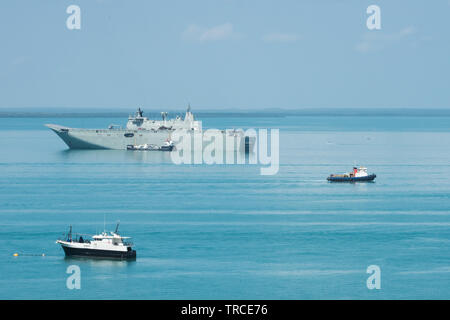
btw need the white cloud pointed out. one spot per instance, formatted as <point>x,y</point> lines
<point>377,40</point>
<point>220,32</point>
<point>280,37</point>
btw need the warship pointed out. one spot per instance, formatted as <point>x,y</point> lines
<point>139,131</point>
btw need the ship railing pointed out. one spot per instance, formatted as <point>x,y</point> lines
<point>99,130</point>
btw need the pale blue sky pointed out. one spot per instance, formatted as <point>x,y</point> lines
<point>224,54</point>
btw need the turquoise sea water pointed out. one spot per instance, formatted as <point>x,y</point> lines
<point>225,231</point>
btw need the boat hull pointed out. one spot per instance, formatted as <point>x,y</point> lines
<point>370,177</point>
<point>98,253</point>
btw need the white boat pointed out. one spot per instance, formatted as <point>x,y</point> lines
<point>104,245</point>
<point>167,146</point>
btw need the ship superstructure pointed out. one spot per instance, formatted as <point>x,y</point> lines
<point>139,122</point>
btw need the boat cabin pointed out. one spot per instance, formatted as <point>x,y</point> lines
<point>111,238</point>
<point>361,172</point>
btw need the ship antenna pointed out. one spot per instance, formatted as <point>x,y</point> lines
<point>117,228</point>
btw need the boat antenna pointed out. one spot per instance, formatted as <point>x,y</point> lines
<point>70,233</point>
<point>104,223</point>
<point>117,227</point>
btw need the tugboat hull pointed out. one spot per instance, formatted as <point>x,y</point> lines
<point>96,253</point>
<point>370,177</point>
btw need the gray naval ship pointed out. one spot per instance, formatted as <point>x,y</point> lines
<point>141,130</point>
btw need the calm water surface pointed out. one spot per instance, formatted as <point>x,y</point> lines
<point>226,232</point>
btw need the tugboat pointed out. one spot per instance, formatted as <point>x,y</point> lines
<point>104,245</point>
<point>357,175</point>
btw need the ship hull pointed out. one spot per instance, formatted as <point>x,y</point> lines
<point>368,178</point>
<point>114,139</point>
<point>98,253</point>
<point>121,139</point>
